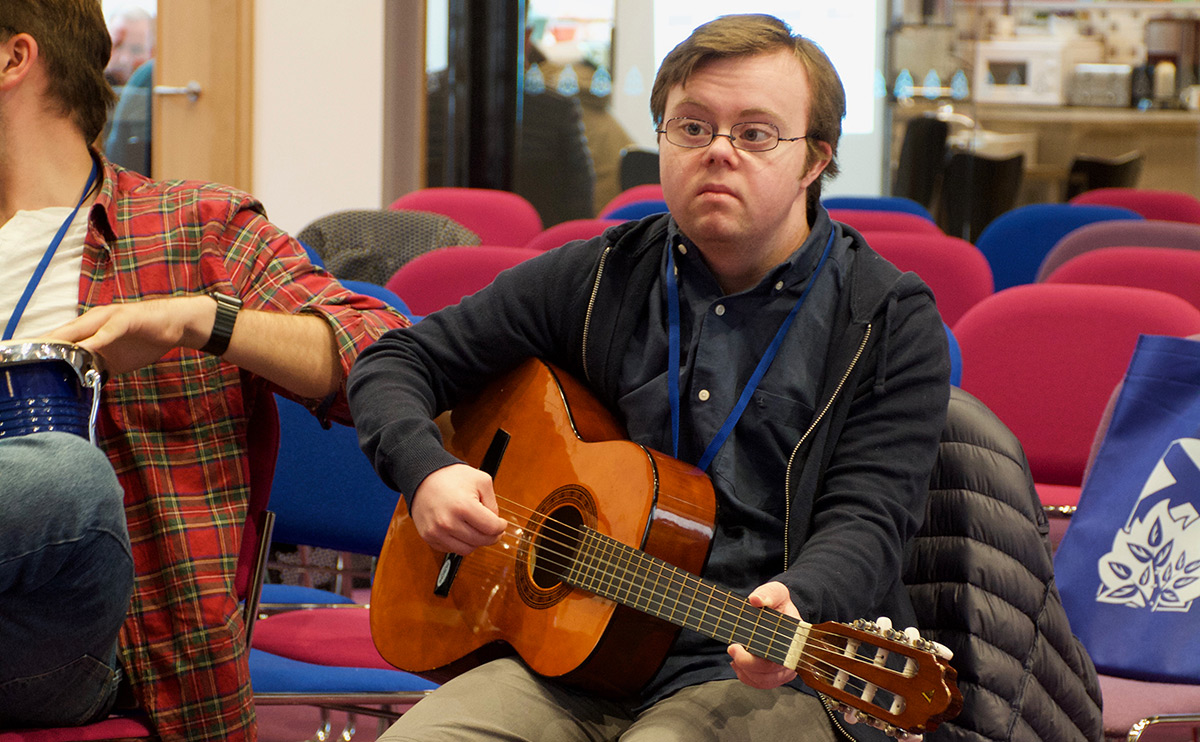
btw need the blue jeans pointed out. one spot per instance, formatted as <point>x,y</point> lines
<point>66,575</point>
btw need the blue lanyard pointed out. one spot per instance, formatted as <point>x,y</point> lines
<point>764,363</point>
<point>40,271</point>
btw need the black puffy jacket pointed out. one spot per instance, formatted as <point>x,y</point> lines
<point>982,582</point>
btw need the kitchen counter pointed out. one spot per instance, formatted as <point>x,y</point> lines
<point>1170,140</point>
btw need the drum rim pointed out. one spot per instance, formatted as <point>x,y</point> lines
<point>17,352</point>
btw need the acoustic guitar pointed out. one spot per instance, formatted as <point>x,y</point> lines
<point>597,570</point>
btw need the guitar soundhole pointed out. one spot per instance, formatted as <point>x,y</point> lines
<point>550,545</point>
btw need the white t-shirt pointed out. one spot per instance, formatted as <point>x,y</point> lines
<point>23,242</point>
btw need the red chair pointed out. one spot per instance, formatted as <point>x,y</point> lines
<point>955,270</point>
<point>443,277</point>
<point>644,192</point>
<point>498,217</point>
<point>1120,233</point>
<point>1172,206</point>
<point>866,220</point>
<point>1045,358</point>
<point>1162,268</point>
<point>564,232</point>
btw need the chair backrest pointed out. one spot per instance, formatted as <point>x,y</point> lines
<point>638,166</point>
<point>645,192</point>
<point>976,189</point>
<point>637,210</point>
<point>867,220</point>
<point>922,159</point>
<point>371,244</point>
<point>443,277</point>
<point>325,492</point>
<point>1172,206</point>
<point>1045,358</point>
<point>1017,241</point>
<point>1120,233</point>
<point>877,203</point>
<point>576,229</point>
<point>1089,173</point>
<point>955,270</point>
<point>1163,268</point>
<point>498,217</point>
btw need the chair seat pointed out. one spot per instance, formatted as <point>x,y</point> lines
<point>271,673</point>
<point>113,728</point>
<point>1127,702</point>
<point>298,595</point>
<point>322,636</point>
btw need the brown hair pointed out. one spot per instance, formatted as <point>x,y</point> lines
<point>74,43</point>
<point>749,35</point>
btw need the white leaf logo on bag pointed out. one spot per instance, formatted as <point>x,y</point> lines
<point>1155,558</point>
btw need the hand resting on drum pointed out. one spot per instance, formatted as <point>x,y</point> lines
<point>283,348</point>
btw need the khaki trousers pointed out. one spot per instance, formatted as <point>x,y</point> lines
<point>504,700</point>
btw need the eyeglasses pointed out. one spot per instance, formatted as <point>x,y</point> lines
<point>751,136</point>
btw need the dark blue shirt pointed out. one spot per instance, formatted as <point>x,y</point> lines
<point>722,339</point>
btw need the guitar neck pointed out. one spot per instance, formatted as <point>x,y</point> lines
<point>608,568</point>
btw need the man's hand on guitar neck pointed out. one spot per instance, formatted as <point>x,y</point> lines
<point>755,671</point>
<point>454,509</point>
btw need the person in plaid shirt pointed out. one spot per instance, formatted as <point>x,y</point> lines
<point>117,568</point>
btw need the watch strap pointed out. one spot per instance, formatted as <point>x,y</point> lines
<point>222,331</point>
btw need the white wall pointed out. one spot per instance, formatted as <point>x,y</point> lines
<point>318,107</point>
<point>635,60</point>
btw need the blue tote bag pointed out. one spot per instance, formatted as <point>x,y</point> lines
<point>1128,567</point>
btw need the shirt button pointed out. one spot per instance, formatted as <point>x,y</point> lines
<point>779,285</point>
<point>682,249</point>
<point>720,310</point>
<point>703,395</point>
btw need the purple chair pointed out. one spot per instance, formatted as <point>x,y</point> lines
<point>1120,233</point>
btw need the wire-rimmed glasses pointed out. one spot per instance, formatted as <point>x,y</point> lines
<point>751,136</point>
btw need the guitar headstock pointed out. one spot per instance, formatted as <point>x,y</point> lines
<point>893,680</point>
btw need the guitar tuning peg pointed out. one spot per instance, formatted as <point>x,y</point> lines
<point>884,623</point>
<point>941,650</point>
<point>912,635</point>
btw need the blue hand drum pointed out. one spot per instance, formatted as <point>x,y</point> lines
<point>48,386</point>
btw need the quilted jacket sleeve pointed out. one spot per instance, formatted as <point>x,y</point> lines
<point>982,582</point>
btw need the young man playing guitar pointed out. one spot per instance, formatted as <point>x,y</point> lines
<point>745,333</point>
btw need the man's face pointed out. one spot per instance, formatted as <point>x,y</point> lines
<point>721,195</point>
<point>133,45</point>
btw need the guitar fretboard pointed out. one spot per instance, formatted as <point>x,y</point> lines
<point>613,570</point>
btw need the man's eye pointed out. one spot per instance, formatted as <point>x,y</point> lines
<point>755,134</point>
<point>693,129</point>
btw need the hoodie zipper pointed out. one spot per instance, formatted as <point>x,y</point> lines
<point>587,317</point>
<point>787,482</point>
<point>837,725</point>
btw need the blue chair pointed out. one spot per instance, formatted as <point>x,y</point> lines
<point>877,203</point>
<point>955,357</point>
<point>325,494</point>
<point>1017,241</point>
<point>637,210</point>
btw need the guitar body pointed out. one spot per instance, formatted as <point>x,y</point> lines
<point>565,467</point>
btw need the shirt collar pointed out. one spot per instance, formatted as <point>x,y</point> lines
<point>793,271</point>
<point>103,214</point>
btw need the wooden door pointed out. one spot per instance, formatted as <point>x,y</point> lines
<point>206,133</point>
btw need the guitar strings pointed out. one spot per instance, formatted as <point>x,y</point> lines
<point>562,559</point>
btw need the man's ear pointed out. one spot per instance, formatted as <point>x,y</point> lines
<point>17,55</point>
<point>817,165</point>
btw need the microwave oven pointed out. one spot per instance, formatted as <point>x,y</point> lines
<point>1030,70</point>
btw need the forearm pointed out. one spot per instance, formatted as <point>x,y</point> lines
<point>294,351</point>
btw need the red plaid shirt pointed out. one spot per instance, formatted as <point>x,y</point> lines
<point>176,431</point>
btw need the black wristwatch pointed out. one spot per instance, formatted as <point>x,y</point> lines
<point>227,312</point>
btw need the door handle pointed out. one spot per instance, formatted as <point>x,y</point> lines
<point>192,90</point>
